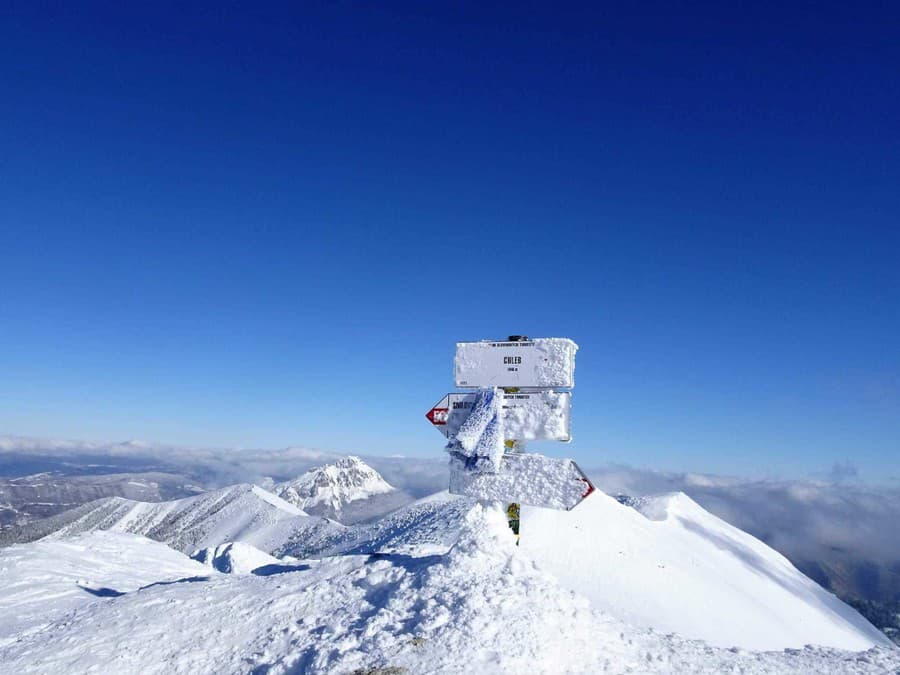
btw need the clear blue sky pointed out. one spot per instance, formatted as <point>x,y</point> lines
<point>269,225</point>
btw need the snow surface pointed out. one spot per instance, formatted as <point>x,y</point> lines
<point>684,570</point>
<point>235,557</point>
<point>42,581</point>
<point>428,526</point>
<point>483,607</point>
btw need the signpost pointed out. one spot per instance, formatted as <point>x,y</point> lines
<point>530,373</point>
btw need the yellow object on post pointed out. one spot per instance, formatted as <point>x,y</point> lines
<point>512,510</point>
<point>512,515</point>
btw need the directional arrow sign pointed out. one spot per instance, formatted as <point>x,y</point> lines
<point>527,416</point>
<point>525,478</point>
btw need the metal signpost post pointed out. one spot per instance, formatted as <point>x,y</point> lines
<point>528,376</point>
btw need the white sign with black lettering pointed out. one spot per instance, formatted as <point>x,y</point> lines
<point>538,363</point>
<point>527,416</point>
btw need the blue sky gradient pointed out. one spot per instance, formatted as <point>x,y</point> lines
<point>263,226</point>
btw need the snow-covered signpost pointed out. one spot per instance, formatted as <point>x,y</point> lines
<point>518,399</point>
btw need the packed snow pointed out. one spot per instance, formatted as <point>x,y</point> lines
<point>482,607</point>
<point>42,581</point>
<point>234,557</point>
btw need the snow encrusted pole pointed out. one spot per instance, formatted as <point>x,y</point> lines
<point>513,509</point>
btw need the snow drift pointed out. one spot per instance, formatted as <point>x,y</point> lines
<point>235,557</point>
<point>42,581</point>
<point>676,567</point>
<point>482,607</point>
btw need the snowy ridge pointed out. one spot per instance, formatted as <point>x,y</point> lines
<point>429,526</point>
<point>483,607</point>
<point>245,513</point>
<point>673,566</point>
<point>679,568</point>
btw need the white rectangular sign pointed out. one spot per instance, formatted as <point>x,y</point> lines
<point>527,416</point>
<point>542,362</point>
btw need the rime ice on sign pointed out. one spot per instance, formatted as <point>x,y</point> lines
<point>527,416</point>
<point>528,478</point>
<point>517,401</point>
<point>543,363</point>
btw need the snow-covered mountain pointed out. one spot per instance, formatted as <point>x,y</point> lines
<point>243,513</point>
<point>484,606</point>
<point>670,565</point>
<point>676,567</point>
<point>348,490</point>
<point>437,585</point>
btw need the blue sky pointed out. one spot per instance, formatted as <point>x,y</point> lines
<point>265,226</point>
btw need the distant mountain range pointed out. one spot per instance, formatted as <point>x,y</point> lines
<point>26,498</point>
<point>245,513</point>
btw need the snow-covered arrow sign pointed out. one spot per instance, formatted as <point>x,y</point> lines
<point>527,416</point>
<point>526,478</point>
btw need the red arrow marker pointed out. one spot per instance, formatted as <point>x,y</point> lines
<point>438,416</point>
<point>590,488</point>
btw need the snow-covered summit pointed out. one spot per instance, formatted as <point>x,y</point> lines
<point>329,489</point>
<point>485,606</point>
<point>666,562</point>
<point>662,562</point>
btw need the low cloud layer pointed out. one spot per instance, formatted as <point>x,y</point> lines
<point>208,467</point>
<point>844,524</point>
